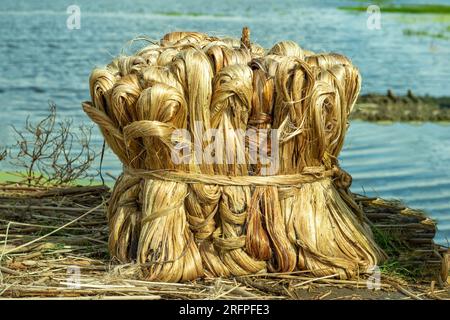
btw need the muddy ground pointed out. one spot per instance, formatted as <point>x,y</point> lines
<point>408,107</point>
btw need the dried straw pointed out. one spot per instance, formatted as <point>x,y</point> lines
<point>63,232</point>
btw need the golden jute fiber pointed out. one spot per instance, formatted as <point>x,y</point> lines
<point>181,217</point>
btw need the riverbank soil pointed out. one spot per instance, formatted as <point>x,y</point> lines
<point>390,107</point>
<point>54,244</point>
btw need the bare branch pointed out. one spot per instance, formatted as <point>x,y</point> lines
<point>52,152</point>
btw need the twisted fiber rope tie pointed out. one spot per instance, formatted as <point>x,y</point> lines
<point>309,174</point>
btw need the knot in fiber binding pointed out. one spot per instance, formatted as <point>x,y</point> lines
<point>341,178</point>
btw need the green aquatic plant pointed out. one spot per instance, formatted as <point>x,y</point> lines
<point>411,9</point>
<point>437,13</point>
<point>377,2</point>
<point>425,33</point>
<point>422,19</point>
<point>189,14</point>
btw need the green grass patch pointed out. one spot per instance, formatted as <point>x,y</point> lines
<point>388,242</point>
<point>9,177</point>
<point>6,176</point>
<point>396,269</point>
<point>411,9</point>
<point>394,247</point>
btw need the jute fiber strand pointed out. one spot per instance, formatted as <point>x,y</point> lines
<point>181,216</point>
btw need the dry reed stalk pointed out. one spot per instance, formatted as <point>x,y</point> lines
<point>179,220</point>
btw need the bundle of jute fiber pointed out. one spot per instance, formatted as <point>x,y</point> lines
<point>230,159</point>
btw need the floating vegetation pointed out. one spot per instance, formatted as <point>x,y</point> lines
<point>377,2</point>
<point>190,14</point>
<point>412,9</point>
<point>439,14</point>
<point>425,33</point>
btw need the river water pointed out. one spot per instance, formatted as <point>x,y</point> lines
<point>42,60</point>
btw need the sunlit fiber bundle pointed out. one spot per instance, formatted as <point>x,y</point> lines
<point>230,159</point>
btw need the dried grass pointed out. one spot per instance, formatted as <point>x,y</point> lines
<point>39,246</point>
